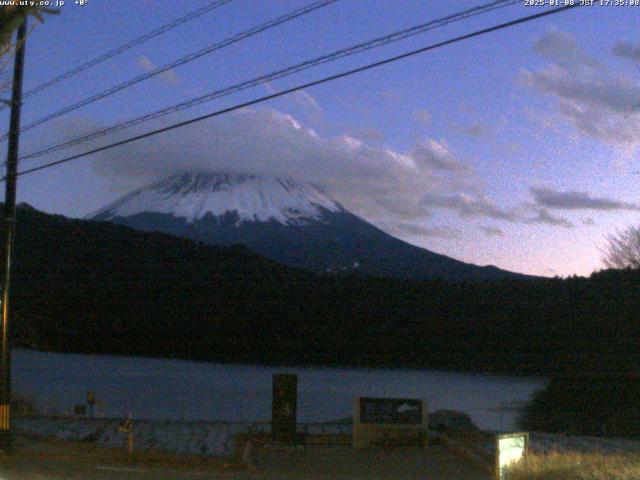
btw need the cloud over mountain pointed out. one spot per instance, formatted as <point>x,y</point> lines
<point>380,184</point>
<point>597,101</point>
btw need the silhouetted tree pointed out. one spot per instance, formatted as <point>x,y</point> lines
<point>11,17</point>
<point>623,249</point>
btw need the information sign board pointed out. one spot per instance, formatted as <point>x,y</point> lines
<point>390,422</point>
<point>398,411</point>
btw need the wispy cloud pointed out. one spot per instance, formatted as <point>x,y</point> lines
<point>169,76</point>
<point>436,155</point>
<point>575,200</point>
<point>427,231</point>
<point>492,231</point>
<point>423,117</point>
<point>475,130</point>
<point>596,100</point>
<point>626,49</point>
<point>367,134</point>
<point>469,206</point>
<point>391,95</point>
<point>545,217</point>
<point>474,206</point>
<point>308,102</point>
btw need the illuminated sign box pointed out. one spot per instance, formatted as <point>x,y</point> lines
<point>389,421</point>
<point>510,448</point>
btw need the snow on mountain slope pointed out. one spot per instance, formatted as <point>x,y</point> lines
<point>192,196</point>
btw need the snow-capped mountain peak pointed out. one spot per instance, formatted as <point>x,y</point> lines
<point>293,223</point>
<point>191,196</point>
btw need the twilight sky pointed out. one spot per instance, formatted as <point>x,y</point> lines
<point>520,148</point>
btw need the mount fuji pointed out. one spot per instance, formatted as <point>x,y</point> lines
<point>293,223</point>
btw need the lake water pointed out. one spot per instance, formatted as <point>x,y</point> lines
<point>174,389</point>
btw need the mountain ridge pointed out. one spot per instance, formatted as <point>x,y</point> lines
<point>293,223</point>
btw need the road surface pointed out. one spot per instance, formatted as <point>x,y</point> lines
<point>58,461</point>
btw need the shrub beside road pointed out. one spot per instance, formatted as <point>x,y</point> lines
<point>568,466</point>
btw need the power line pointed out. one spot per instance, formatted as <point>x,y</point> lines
<point>303,86</point>
<point>376,42</point>
<point>123,48</point>
<point>181,61</point>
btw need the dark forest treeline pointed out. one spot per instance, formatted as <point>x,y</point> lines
<point>95,287</point>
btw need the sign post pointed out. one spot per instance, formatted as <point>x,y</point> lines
<point>127,427</point>
<point>91,401</point>
<point>284,407</point>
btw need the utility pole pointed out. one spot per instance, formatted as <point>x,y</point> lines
<point>6,442</point>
